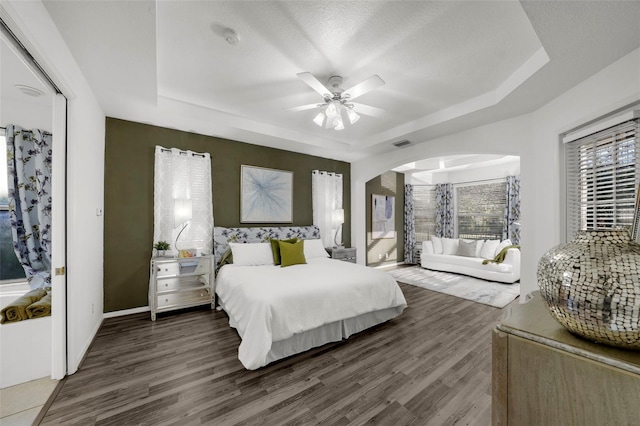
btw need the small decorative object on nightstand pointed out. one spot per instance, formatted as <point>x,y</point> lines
<point>180,283</point>
<point>343,253</point>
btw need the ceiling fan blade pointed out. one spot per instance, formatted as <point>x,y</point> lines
<point>304,107</point>
<point>313,82</point>
<point>367,110</point>
<point>363,87</point>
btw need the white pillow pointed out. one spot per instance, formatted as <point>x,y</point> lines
<point>314,248</point>
<point>252,254</point>
<point>437,245</point>
<point>479,247</point>
<point>449,245</point>
<point>488,250</point>
<point>503,244</point>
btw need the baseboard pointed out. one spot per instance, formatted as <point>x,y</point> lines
<point>124,312</point>
<point>388,265</point>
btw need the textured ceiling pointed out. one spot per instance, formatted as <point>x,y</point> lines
<point>447,65</point>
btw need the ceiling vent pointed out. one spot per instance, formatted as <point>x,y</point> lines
<point>401,143</point>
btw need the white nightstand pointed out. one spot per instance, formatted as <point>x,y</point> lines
<point>343,253</point>
<point>180,283</point>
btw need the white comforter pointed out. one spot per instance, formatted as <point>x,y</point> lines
<point>268,303</point>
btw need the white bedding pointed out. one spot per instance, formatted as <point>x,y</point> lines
<point>268,303</point>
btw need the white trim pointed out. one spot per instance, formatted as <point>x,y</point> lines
<point>114,314</point>
<point>58,240</point>
<point>599,125</point>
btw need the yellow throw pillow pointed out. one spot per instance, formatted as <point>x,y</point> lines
<point>292,253</point>
<point>275,247</point>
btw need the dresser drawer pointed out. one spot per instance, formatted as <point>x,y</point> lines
<point>345,254</point>
<point>167,269</point>
<point>183,298</point>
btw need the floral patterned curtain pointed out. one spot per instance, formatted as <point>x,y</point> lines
<point>29,183</point>
<point>511,229</point>
<point>409,225</point>
<point>444,210</point>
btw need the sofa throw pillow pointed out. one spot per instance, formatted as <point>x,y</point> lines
<point>479,244</point>
<point>437,245</point>
<point>489,249</point>
<point>275,248</point>
<point>292,253</point>
<point>449,246</point>
<point>251,254</point>
<point>466,248</point>
<point>503,244</point>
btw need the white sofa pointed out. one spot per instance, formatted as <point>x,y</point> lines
<point>443,254</point>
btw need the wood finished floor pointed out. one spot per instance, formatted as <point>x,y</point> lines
<point>430,366</point>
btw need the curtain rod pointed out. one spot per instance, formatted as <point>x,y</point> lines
<point>26,130</point>
<point>183,152</point>
<point>469,181</point>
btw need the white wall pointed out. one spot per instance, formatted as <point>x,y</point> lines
<point>495,171</point>
<point>542,165</point>
<point>539,149</point>
<point>85,173</point>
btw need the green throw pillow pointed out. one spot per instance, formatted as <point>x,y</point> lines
<point>292,253</point>
<point>275,247</point>
<point>227,259</point>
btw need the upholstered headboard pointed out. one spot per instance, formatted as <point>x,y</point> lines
<point>222,236</point>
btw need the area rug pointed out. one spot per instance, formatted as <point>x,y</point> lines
<point>462,286</point>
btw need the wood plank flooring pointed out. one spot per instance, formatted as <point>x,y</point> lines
<point>430,366</point>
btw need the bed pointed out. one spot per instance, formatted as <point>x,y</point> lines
<point>279,312</point>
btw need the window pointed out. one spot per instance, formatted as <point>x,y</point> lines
<point>10,268</point>
<point>602,175</point>
<point>424,211</point>
<point>480,210</point>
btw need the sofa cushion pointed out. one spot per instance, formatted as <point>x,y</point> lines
<point>467,248</point>
<point>437,245</point>
<point>479,247</point>
<point>489,249</point>
<point>465,262</point>
<point>503,244</point>
<point>449,245</point>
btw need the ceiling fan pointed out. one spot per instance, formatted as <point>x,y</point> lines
<point>338,101</point>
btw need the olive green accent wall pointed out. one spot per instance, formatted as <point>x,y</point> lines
<point>128,221</point>
<point>386,250</point>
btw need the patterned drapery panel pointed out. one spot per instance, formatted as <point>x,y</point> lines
<point>409,225</point>
<point>511,228</point>
<point>326,194</point>
<point>444,210</point>
<point>29,184</point>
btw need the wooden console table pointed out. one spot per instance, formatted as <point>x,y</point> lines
<point>544,375</point>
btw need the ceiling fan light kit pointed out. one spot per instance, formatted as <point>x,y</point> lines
<point>337,100</point>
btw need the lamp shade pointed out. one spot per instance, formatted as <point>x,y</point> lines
<point>353,116</point>
<point>337,216</point>
<point>182,211</point>
<point>319,119</point>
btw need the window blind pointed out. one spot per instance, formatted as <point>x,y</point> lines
<point>424,211</point>
<point>602,172</point>
<point>480,210</point>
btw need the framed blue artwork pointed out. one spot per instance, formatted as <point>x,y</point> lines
<point>266,195</point>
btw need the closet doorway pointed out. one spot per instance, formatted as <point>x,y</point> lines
<point>30,101</point>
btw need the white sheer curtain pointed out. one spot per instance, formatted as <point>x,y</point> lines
<point>326,193</point>
<point>183,175</point>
